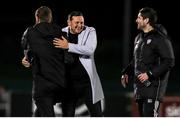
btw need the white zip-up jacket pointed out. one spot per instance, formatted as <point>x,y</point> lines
<point>87,42</point>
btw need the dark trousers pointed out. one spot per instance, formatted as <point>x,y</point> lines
<point>148,107</point>
<point>46,94</point>
<point>80,93</point>
<point>95,110</point>
<point>80,88</point>
<point>44,107</point>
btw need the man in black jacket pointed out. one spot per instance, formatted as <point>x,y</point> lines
<point>47,62</point>
<point>153,60</point>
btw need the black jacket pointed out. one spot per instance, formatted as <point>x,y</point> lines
<point>47,61</point>
<point>153,54</point>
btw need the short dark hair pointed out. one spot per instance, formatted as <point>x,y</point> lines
<point>150,13</point>
<point>44,13</point>
<point>74,13</point>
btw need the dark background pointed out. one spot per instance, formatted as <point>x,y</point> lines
<point>115,25</point>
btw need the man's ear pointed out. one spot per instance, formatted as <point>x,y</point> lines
<point>68,22</point>
<point>146,20</point>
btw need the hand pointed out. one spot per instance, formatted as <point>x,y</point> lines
<point>124,80</point>
<point>25,62</point>
<point>61,43</point>
<point>143,77</point>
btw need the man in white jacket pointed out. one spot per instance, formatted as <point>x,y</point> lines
<point>80,43</point>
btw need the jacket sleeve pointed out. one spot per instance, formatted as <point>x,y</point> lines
<point>167,59</point>
<point>129,69</point>
<point>89,45</point>
<point>24,41</point>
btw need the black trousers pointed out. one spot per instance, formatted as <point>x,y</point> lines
<point>44,107</point>
<point>148,107</point>
<point>80,89</point>
<point>46,94</point>
<point>95,110</point>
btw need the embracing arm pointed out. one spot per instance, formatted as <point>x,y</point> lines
<point>87,45</point>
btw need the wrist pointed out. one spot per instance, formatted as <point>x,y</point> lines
<point>150,74</point>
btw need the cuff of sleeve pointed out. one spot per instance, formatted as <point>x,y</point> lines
<point>150,74</point>
<point>69,47</point>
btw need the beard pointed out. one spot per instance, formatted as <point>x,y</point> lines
<point>140,26</point>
